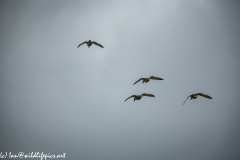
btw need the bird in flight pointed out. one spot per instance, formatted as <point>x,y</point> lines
<point>145,80</point>
<point>194,96</point>
<point>138,97</point>
<point>89,43</point>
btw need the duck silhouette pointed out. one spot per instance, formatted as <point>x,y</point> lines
<point>138,97</point>
<point>89,43</point>
<point>194,96</point>
<point>146,80</point>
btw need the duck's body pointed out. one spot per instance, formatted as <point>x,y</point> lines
<point>138,97</point>
<point>146,80</point>
<point>89,43</point>
<point>194,96</point>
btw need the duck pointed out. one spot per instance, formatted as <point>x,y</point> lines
<point>194,96</point>
<point>146,80</point>
<point>138,97</point>
<point>89,43</point>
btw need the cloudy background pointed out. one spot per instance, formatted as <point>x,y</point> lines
<point>57,98</point>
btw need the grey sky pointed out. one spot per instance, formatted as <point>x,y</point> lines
<point>57,98</point>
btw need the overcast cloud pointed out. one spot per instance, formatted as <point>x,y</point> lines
<point>57,98</point>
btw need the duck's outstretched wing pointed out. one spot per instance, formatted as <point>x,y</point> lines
<point>81,44</point>
<point>138,80</point>
<point>204,95</point>
<point>97,44</point>
<point>146,94</point>
<point>130,97</point>
<point>155,78</point>
<point>186,100</point>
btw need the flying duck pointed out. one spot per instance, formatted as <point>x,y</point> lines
<point>138,97</point>
<point>145,80</point>
<point>194,96</point>
<point>89,43</point>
